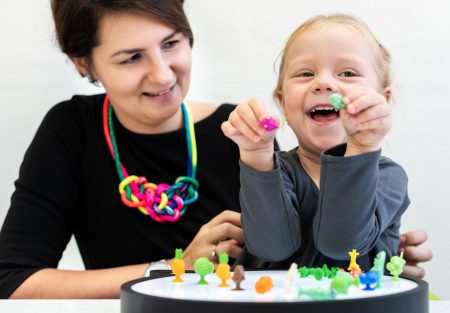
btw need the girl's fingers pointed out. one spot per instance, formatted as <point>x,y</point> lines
<point>229,130</point>
<point>360,99</point>
<point>242,120</point>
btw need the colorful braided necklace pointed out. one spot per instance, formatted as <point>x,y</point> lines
<point>162,202</point>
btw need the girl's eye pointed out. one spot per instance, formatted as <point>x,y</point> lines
<point>170,44</point>
<point>133,59</point>
<point>347,74</point>
<point>305,74</point>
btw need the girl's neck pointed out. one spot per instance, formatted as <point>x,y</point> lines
<point>311,164</point>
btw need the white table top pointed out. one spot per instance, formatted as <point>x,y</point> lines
<point>112,306</point>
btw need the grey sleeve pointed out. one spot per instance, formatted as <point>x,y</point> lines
<point>268,200</point>
<point>361,201</point>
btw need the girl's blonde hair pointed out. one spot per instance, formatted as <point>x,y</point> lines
<point>381,54</point>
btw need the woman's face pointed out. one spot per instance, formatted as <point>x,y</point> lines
<point>144,66</point>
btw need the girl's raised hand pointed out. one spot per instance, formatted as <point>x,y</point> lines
<point>245,127</point>
<point>367,119</point>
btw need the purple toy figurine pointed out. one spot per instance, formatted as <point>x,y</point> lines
<point>269,124</point>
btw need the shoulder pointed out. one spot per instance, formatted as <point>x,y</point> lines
<point>75,107</point>
<point>74,112</point>
<point>204,110</point>
<point>391,169</point>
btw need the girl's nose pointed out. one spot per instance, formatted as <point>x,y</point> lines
<point>324,82</point>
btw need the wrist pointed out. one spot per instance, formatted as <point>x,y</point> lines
<point>353,149</point>
<point>261,160</point>
<point>156,265</point>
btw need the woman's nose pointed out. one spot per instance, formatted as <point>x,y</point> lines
<point>159,71</point>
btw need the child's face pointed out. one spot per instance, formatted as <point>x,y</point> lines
<point>321,61</point>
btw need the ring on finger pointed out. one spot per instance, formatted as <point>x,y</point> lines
<point>213,251</point>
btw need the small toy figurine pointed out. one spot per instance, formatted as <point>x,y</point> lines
<point>203,266</point>
<point>238,277</point>
<point>319,293</point>
<point>263,284</point>
<point>369,278</point>
<point>178,266</point>
<point>304,271</point>
<point>223,269</point>
<point>336,101</point>
<point>353,267</point>
<point>343,281</point>
<point>378,266</point>
<point>395,266</point>
<point>318,272</point>
<point>269,124</point>
<point>290,281</point>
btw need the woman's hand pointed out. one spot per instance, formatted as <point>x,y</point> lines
<point>222,234</point>
<point>414,253</point>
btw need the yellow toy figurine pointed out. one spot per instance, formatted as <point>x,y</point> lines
<point>178,266</point>
<point>223,269</point>
<point>353,265</point>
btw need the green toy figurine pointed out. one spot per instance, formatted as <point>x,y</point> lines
<point>343,281</point>
<point>318,293</point>
<point>378,266</point>
<point>203,267</point>
<point>395,266</point>
<point>337,102</point>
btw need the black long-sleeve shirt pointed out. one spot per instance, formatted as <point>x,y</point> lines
<point>68,185</point>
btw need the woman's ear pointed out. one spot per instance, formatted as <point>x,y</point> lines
<point>81,65</point>
<point>388,94</point>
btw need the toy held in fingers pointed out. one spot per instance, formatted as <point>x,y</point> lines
<point>269,124</point>
<point>337,102</point>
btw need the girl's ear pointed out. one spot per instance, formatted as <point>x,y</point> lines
<point>388,94</point>
<point>280,99</point>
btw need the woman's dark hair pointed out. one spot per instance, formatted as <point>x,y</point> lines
<point>77,21</point>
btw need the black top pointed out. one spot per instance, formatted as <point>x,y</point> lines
<point>68,185</point>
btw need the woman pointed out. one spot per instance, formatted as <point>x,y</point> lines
<point>140,51</point>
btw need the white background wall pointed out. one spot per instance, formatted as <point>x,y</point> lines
<point>236,44</point>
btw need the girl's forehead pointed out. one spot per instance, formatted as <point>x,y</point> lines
<point>333,37</point>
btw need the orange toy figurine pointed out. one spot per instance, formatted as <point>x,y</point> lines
<point>264,284</point>
<point>223,269</point>
<point>178,266</point>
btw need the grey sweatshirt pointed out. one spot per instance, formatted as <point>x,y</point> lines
<point>286,218</point>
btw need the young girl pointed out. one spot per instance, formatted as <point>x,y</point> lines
<point>333,193</point>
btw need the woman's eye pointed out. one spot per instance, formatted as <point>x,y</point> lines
<point>133,59</point>
<point>170,44</point>
<point>347,74</point>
